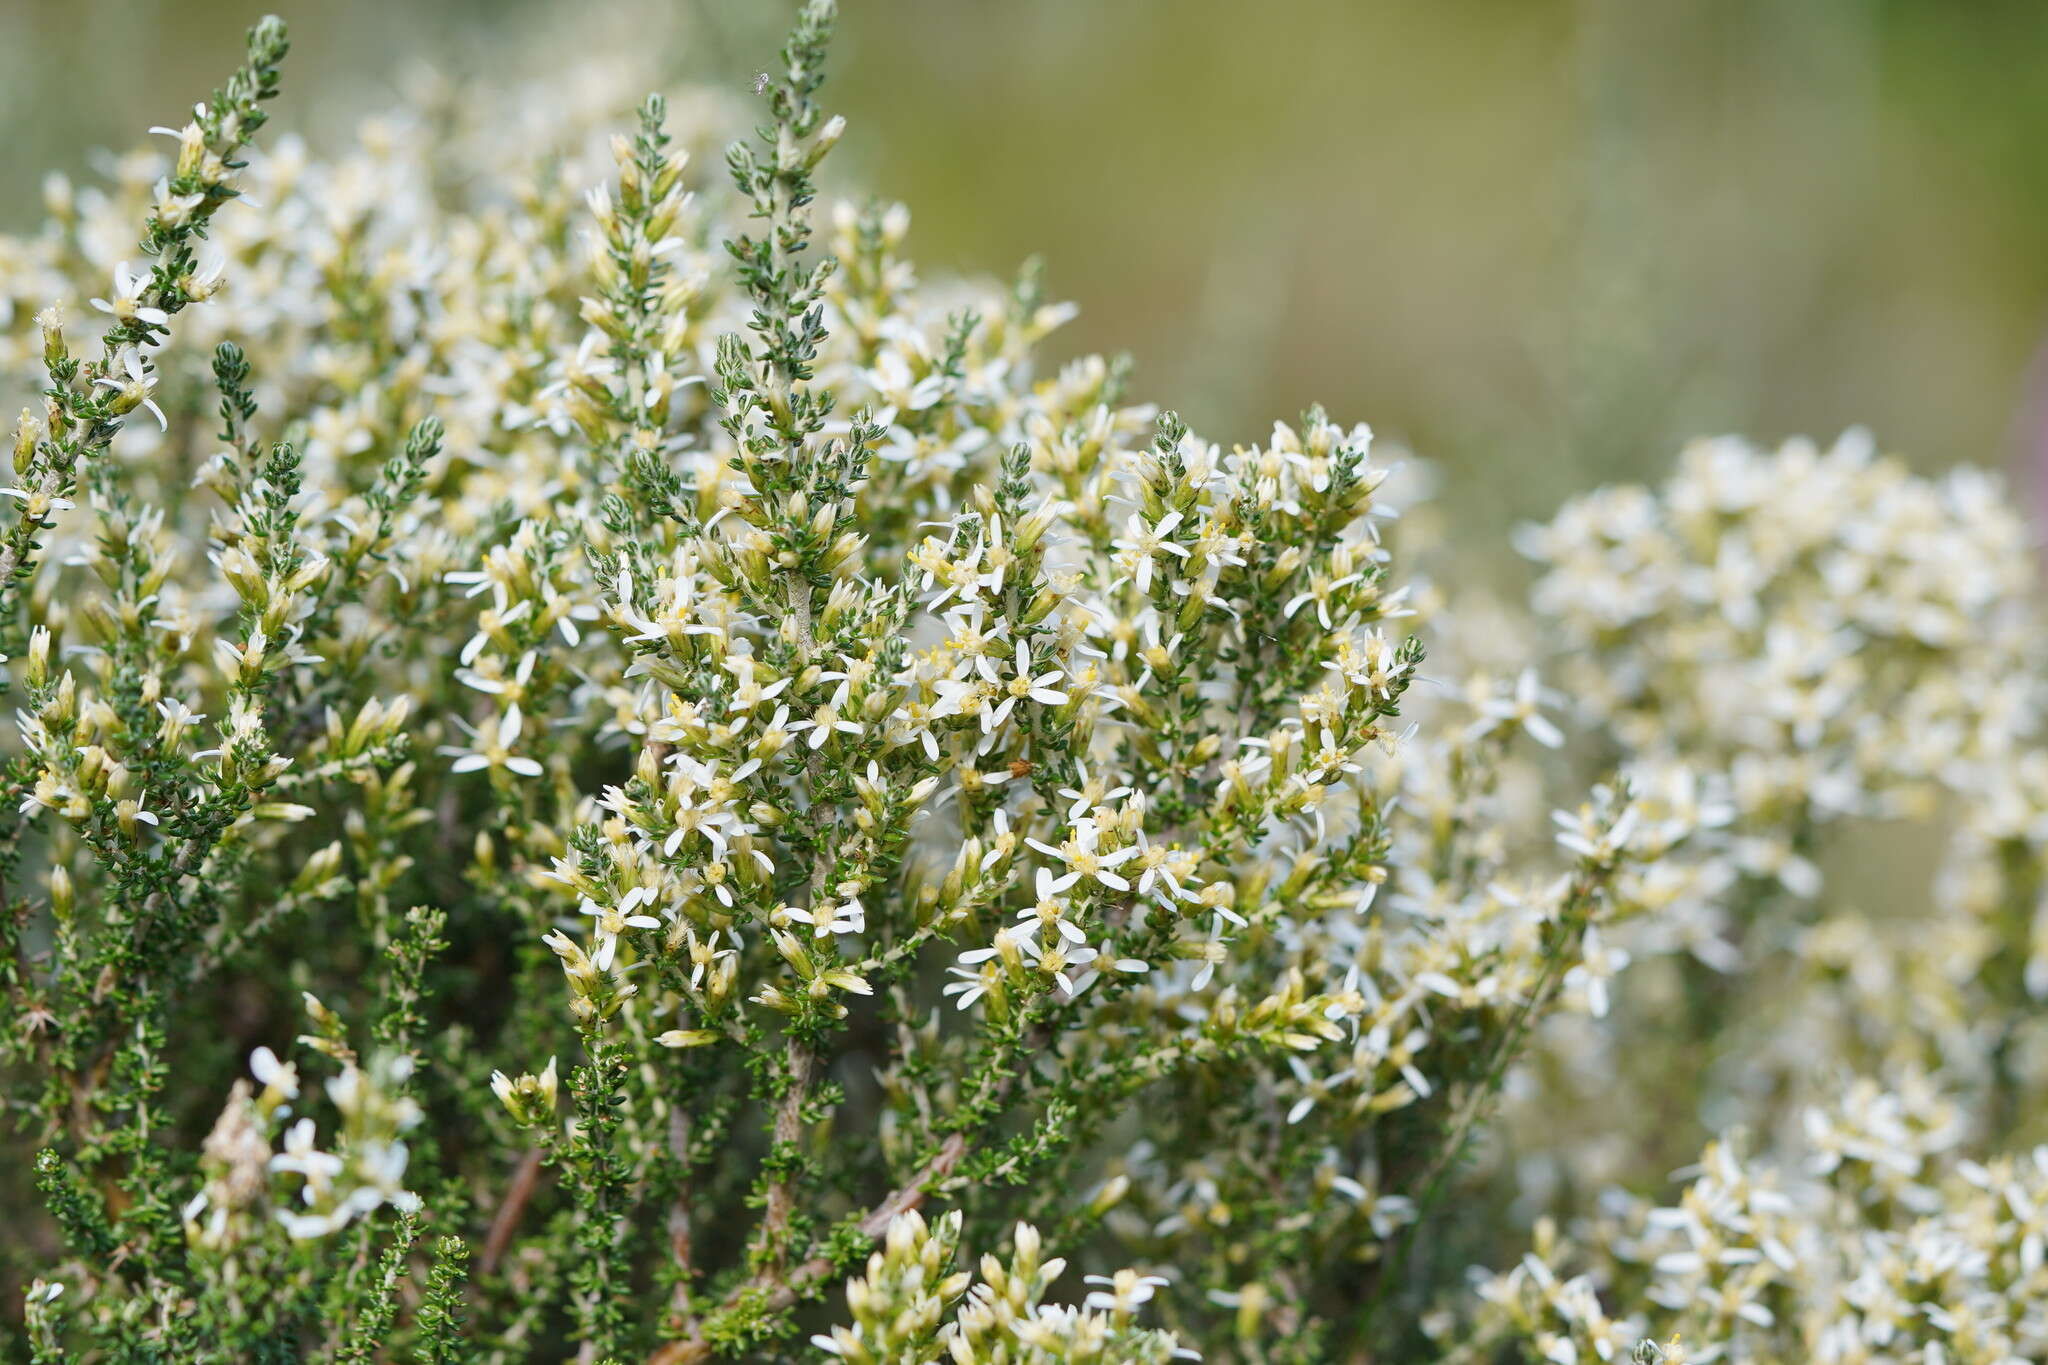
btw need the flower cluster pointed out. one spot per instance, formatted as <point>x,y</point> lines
<point>1877,1243</point>
<point>1834,634</point>
<point>774,779</point>
<point>334,1188</point>
<point>912,1306</point>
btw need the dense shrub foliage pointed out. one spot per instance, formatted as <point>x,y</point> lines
<point>605,773</point>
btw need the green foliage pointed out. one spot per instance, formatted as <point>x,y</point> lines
<point>742,793</point>
<point>789,701</point>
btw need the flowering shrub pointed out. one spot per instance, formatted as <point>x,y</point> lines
<point>605,772</point>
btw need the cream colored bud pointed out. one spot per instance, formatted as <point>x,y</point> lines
<point>319,869</point>
<point>26,433</point>
<point>576,964</point>
<point>51,321</point>
<point>827,138</point>
<point>687,1037</point>
<point>529,1099</point>
<point>63,900</point>
<point>59,201</point>
<point>37,672</point>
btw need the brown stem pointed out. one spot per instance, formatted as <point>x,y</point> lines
<point>775,1292</point>
<point>505,1222</point>
<point>789,1127</point>
<point>680,1243</point>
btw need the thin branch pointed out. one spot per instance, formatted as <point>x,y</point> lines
<point>681,1244</point>
<point>773,1292</point>
<point>789,1127</point>
<point>505,1222</point>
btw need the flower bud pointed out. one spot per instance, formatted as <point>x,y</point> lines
<point>24,440</point>
<point>576,964</point>
<point>827,138</point>
<point>63,898</point>
<point>51,321</point>
<point>37,673</point>
<point>529,1099</point>
<point>687,1037</point>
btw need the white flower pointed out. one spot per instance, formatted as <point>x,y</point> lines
<point>1093,791</point>
<point>974,983</point>
<point>209,269</point>
<point>1082,859</point>
<point>1057,961</point>
<point>498,686</point>
<point>1142,545</point>
<point>493,747</point>
<point>134,384</point>
<point>1049,913</point>
<point>1519,709</point>
<point>831,917</point>
<point>828,718</point>
<point>301,1157</point>
<point>611,922</point>
<point>278,1078</point>
<point>1022,685</point>
<point>126,302</point>
<point>1598,965</point>
<point>1127,1289</point>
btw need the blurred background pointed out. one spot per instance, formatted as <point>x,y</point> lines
<point>1539,241</point>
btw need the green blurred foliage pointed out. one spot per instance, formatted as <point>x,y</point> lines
<point>1539,241</point>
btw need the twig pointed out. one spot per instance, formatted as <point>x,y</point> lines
<point>789,1127</point>
<point>505,1222</point>
<point>1436,1176</point>
<point>680,1243</point>
<point>776,1292</point>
